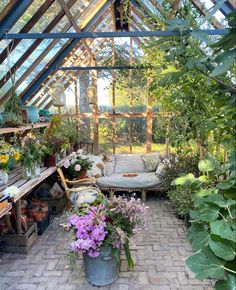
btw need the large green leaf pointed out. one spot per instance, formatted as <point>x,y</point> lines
<point>194,229</point>
<point>225,185</point>
<point>228,284</point>
<point>201,240</point>
<point>184,180</point>
<point>222,248</point>
<point>222,228</point>
<point>206,165</point>
<point>205,264</point>
<point>206,192</point>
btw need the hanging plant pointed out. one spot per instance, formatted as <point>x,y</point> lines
<point>13,111</point>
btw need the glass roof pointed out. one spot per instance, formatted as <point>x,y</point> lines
<point>28,60</point>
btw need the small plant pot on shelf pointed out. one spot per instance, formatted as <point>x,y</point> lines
<point>50,160</point>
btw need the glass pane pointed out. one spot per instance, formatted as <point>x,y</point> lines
<point>42,22</point>
<point>15,55</point>
<point>41,65</point>
<point>3,4</point>
<point>105,135</point>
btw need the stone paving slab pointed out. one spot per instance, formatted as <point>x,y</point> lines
<point>159,254</point>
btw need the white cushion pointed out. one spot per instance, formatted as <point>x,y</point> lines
<point>98,166</point>
<point>142,180</point>
<point>130,163</point>
<point>151,161</point>
<point>110,165</point>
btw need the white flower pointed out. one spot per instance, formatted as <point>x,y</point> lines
<point>66,163</point>
<point>80,152</point>
<point>73,161</point>
<point>73,155</point>
<point>77,167</point>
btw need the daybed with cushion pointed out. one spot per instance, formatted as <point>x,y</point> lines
<point>128,172</point>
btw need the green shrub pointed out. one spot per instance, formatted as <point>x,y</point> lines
<point>181,199</point>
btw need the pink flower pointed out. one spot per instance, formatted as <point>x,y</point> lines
<point>66,163</point>
<point>77,167</point>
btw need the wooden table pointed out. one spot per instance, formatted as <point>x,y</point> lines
<point>25,186</point>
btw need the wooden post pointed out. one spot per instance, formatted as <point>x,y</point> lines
<point>76,104</point>
<point>95,111</point>
<point>149,123</point>
<point>168,139</point>
<point>18,216</point>
<point>131,97</point>
<point>113,99</point>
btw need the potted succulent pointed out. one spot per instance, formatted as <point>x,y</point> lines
<point>100,230</point>
<point>77,167</point>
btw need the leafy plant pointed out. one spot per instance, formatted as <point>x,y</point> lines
<point>181,200</point>
<point>213,231</point>
<point>13,111</point>
<point>77,165</point>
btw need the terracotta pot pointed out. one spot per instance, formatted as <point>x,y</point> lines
<point>33,210</point>
<point>82,174</point>
<point>50,160</point>
<point>38,216</point>
<point>35,201</point>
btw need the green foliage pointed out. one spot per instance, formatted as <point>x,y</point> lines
<point>13,111</point>
<point>212,232</point>
<point>181,200</point>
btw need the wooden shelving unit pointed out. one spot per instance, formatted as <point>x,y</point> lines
<point>5,210</point>
<point>23,128</point>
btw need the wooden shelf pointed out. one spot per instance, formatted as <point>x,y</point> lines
<point>5,210</point>
<point>23,128</point>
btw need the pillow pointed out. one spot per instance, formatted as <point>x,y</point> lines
<point>151,161</point>
<point>129,163</point>
<point>161,167</point>
<point>109,165</point>
<point>97,167</point>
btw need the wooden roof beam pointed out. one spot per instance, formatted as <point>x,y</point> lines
<point>74,23</point>
<point>203,10</point>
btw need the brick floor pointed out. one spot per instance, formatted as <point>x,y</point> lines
<point>159,254</point>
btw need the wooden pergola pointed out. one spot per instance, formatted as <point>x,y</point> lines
<point>71,39</point>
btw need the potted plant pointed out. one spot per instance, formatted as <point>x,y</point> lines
<point>13,110</point>
<point>8,153</point>
<point>100,230</point>
<point>77,167</point>
<point>31,157</point>
<point>53,142</point>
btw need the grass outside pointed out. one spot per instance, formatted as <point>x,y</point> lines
<point>136,148</point>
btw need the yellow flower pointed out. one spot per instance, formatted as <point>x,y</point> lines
<point>17,155</point>
<point>4,159</point>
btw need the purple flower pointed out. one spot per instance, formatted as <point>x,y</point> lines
<point>77,167</point>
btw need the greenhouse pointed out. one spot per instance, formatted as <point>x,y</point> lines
<point>117,149</point>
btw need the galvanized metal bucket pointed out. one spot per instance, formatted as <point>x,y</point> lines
<point>102,270</point>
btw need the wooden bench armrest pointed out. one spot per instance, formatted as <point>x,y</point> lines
<point>81,181</point>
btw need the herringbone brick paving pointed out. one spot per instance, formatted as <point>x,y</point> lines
<point>159,254</point>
